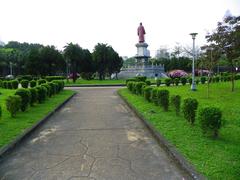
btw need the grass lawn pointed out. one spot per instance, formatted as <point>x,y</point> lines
<point>214,158</point>
<point>10,127</point>
<point>99,82</point>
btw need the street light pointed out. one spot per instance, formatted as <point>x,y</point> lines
<point>193,86</point>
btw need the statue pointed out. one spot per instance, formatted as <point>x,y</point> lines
<point>141,32</point>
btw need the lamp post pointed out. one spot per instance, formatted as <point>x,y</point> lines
<point>193,86</point>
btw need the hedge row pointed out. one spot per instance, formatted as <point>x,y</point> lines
<point>210,117</point>
<point>24,97</point>
<point>13,84</point>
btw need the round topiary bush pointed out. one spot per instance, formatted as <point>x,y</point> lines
<point>24,83</point>
<point>147,93</point>
<point>48,89</point>
<point>189,109</point>
<point>34,96</point>
<point>9,85</point>
<point>158,82</point>
<point>183,80</point>
<point>210,120</point>
<point>168,82</point>
<point>25,96</point>
<point>52,88</point>
<point>42,93</point>
<point>203,79</point>
<point>33,83</point>
<point>154,97</point>
<point>130,85</point>
<point>41,81</point>
<point>139,87</point>
<point>13,104</point>
<point>14,84</point>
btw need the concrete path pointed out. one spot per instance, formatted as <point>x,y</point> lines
<point>94,136</point>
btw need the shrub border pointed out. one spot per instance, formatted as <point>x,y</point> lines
<point>168,147</point>
<point>5,150</point>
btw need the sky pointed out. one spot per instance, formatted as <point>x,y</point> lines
<point>115,22</point>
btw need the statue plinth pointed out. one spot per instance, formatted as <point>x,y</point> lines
<point>143,54</point>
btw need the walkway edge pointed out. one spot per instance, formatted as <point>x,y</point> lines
<point>169,148</point>
<point>9,147</point>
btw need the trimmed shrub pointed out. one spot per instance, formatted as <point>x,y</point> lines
<point>176,102</point>
<point>237,76</point>
<point>33,83</point>
<point>24,83</point>
<point>130,85</point>
<point>13,104</point>
<point>158,82</point>
<point>203,79</point>
<point>210,120</point>
<point>176,81</point>
<point>53,87</point>
<point>154,97</point>
<point>24,77</point>
<point>134,89</point>
<point>217,79</point>
<point>141,78</point>
<point>9,85</point>
<point>147,93</point>
<point>130,79</point>
<point>138,86</point>
<point>14,84</point>
<point>183,81</point>
<point>197,81</point>
<point>4,84</point>
<point>190,81</point>
<point>41,81</point>
<point>25,96</point>
<point>34,96</point>
<point>168,81</point>
<point>189,109</point>
<point>148,83</point>
<point>48,87</point>
<point>163,97</point>
<point>60,84</point>
<point>0,112</point>
<point>42,93</point>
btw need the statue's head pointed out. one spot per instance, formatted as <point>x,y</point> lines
<point>140,24</point>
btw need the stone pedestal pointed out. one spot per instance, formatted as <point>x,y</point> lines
<point>142,55</point>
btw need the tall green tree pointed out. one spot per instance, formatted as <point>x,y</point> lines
<point>74,53</point>
<point>227,38</point>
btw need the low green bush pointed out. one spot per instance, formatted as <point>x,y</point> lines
<point>24,83</point>
<point>9,85</point>
<point>147,93</point>
<point>139,87</point>
<point>14,84</point>
<point>163,98</point>
<point>4,84</point>
<point>217,79</point>
<point>141,78</point>
<point>168,82</point>
<point>148,83</point>
<point>130,85</point>
<point>154,97</point>
<point>130,79</point>
<point>34,96</point>
<point>203,79</point>
<point>176,81</point>
<point>60,84</point>
<point>176,103</point>
<point>189,109</point>
<point>41,81</point>
<point>48,87</point>
<point>33,83</point>
<point>25,96</point>
<point>190,81</point>
<point>183,80</point>
<point>158,82</point>
<point>210,120</point>
<point>24,77</point>
<point>42,93</point>
<point>53,88</point>
<point>13,104</point>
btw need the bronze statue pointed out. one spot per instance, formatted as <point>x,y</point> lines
<point>141,32</point>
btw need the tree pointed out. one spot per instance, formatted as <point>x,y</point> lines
<point>227,38</point>
<point>74,53</point>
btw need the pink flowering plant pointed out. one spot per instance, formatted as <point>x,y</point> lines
<point>177,74</point>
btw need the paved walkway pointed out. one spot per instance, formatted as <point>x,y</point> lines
<point>94,136</point>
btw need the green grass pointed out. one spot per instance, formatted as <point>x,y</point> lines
<point>10,127</point>
<point>214,158</point>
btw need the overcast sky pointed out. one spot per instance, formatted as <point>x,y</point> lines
<point>115,22</point>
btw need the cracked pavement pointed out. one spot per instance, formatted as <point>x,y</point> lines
<point>95,136</point>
